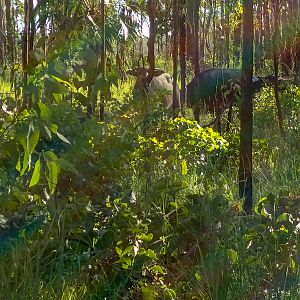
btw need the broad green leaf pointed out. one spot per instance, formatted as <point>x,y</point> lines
<point>151,254</point>
<point>64,139</point>
<point>54,128</point>
<point>54,87</point>
<point>198,276</point>
<point>46,114</point>
<point>184,168</point>
<point>128,249</point>
<point>32,139</point>
<point>52,175</point>
<point>48,131</point>
<point>67,166</point>
<point>102,84</point>
<point>119,251</point>
<point>18,166</point>
<point>146,237</point>
<point>36,173</point>
<point>50,156</point>
<point>65,82</point>
<point>233,255</point>
<point>25,163</point>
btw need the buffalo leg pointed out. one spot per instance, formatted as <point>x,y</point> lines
<point>197,113</point>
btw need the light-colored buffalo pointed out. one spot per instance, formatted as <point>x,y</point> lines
<point>161,84</point>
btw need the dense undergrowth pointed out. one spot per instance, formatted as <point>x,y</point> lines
<point>144,208</point>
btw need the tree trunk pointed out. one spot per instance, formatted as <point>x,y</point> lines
<point>267,30</point>
<point>103,60</point>
<point>1,36</point>
<point>183,60</point>
<point>32,25</point>
<point>276,40</point>
<point>196,11</point>
<point>175,51</point>
<point>151,41</point>
<point>227,36</point>
<point>246,114</point>
<point>25,51</point>
<point>257,40</point>
<point>296,43</point>
<point>9,33</point>
<point>237,44</point>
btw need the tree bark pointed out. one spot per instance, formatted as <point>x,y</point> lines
<point>175,51</point>
<point>2,39</point>
<point>103,60</point>
<point>246,114</point>
<point>183,60</point>
<point>25,51</point>
<point>151,41</point>
<point>276,40</point>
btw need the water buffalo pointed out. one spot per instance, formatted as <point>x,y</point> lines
<point>161,82</point>
<point>215,90</point>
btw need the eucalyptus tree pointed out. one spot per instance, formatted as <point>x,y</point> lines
<point>246,110</point>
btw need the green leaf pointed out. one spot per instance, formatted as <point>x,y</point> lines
<point>184,168</point>
<point>50,156</point>
<point>54,128</point>
<point>157,269</point>
<point>151,254</point>
<point>233,255</point>
<point>32,139</point>
<point>146,237</point>
<point>45,113</point>
<point>64,139</point>
<point>128,249</point>
<point>67,166</point>
<point>52,175</point>
<point>102,84</point>
<point>48,131</point>
<point>18,166</point>
<point>198,276</point>
<point>52,86</point>
<point>64,82</point>
<point>119,251</point>
<point>25,163</point>
<point>36,173</point>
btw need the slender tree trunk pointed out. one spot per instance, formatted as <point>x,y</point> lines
<point>222,34</point>
<point>286,53</point>
<point>25,51</point>
<point>151,41</point>
<point>214,33</point>
<point>1,36</point>
<point>246,115</point>
<point>276,40</point>
<point>196,11</point>
<point>175,51</point>
<point>31,24</point>
<point>183,60</point>
<point>103,60</point>
<point>9,32</point>
<point>42,22</point>
<point>203,34</point>
<point>237,44</point>
<point>227,36</point>
<point>257,41</point>
<point>297,42</point>
<point>267,30</point>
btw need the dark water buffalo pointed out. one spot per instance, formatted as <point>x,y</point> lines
<point>216,90</point>
<point>160,83</point>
